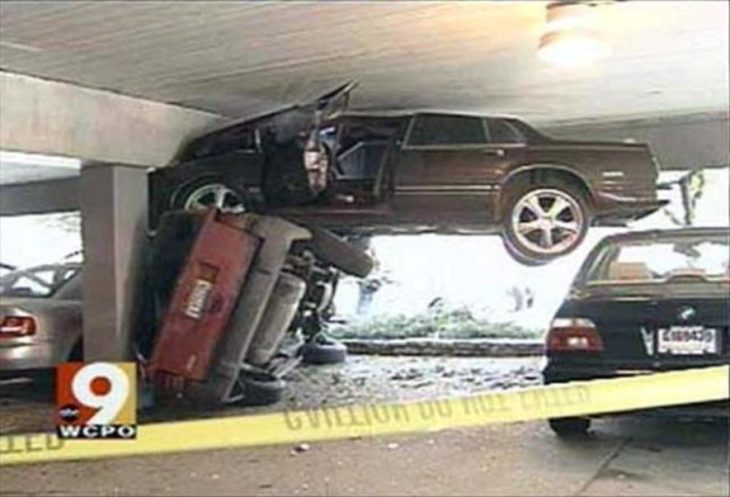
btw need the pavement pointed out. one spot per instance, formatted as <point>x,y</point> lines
<point>28,406</point>
<point>621,457</point>
<point>627,455</point>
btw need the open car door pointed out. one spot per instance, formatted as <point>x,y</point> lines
<point>301,163</point>
<point>306,119</point>
<point>279,126</point>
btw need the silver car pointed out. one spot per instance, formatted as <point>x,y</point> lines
<point>40,318</point>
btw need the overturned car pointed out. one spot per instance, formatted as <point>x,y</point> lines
<point>414,173</point>
<point>234,302</point>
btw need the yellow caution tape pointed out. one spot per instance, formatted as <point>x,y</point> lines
<point>331,423</point>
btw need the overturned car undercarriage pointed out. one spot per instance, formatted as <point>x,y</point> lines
<point>235,301</point>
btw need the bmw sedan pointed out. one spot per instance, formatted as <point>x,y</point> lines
<point>644,302</point>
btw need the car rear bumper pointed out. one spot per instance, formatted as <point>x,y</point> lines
<point>23,357</point>
<point>616,213</point>
<point>556,373</point>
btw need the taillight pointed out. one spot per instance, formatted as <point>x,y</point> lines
<point>573,335</point>
<point>17,326</point>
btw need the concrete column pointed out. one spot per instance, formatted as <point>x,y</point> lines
<point>113,203</point>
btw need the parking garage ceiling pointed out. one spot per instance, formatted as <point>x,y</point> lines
<point>240,59</point>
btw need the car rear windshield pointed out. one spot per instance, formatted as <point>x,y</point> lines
<point>36,282</point>
<point>683,259</point>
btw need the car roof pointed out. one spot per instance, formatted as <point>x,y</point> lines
<point>667,233</point>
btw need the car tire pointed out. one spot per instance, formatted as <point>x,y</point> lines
<point>570,427</point>
<point>321,351</point>
<point>340,254</point>
<point>77,352</point>
<point>44,382</point>
<point>203,192</point>
<point>261,389</point>
<point>567,227</point>
<point>521,257</point>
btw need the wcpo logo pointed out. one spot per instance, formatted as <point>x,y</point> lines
<point>96,400</point>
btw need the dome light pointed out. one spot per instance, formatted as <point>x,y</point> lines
<point>570,37</point>
<point>571,47</point>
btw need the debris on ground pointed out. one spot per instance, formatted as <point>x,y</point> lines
<point>361,379</point>
<point>300,448</point>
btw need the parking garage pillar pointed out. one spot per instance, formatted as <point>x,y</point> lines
<point>113,203</point>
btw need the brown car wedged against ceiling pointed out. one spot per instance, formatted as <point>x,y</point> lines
<point>413,173</point>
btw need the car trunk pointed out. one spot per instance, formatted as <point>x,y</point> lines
<point>653,332</point>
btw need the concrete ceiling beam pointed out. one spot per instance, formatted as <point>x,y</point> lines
<point>55,118</point>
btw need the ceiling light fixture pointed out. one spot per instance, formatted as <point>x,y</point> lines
<point>571,37</point>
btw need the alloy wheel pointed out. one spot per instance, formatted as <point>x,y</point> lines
<point>215,195</point>
<point>547,221</point>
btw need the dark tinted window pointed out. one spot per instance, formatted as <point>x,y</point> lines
<point>446,130</point>
<point>531,135</point>
<point>501,131</point>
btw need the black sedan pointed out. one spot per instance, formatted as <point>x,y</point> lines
<point>644,302</point>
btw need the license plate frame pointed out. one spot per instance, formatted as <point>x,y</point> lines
<point>683,340</point>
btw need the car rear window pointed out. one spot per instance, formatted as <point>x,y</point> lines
<point>683,259</point>
<point>36,282</point>
<point>501,131</point>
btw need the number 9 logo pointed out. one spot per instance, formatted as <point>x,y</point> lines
<point>109,403</point>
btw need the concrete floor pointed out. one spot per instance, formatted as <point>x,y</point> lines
<point>28,407</point>
<point>626,456</point>
<point>623,456</point>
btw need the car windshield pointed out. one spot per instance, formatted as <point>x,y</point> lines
<point>686,259</point>
<point>36,282</point>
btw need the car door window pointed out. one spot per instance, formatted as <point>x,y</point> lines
<point>446,130</point>
<point>501,131</point>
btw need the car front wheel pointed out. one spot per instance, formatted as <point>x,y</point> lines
<point>210,192</point>
<point>544,222</point>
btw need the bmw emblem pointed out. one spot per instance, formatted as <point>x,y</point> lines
<point>686,313</point>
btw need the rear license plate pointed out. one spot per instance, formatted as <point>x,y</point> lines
<point>687,340</point>
<point>198,298</point>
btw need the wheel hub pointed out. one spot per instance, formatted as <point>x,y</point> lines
<point>215,195</point>
<point>547,221</point>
